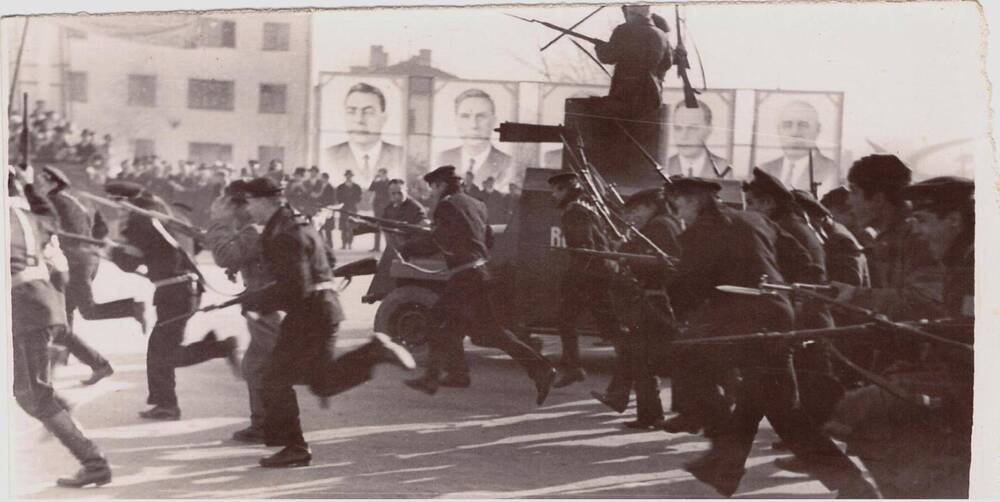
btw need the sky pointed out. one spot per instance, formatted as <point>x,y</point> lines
<point>911,72</point>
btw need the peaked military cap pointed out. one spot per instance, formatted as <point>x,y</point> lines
<point>55,174</point>
<point>767,184</point>
<point>237,190</point>
<point>563,178</point>
<point>836,197</point>
<point>686,185</point>
<point>941,193</point>
<point>653,196</point>
<point>881,172</point>
<point>261,187</point>
<point>124,189</point>
<point>806,201</point>
<point>443,173</point>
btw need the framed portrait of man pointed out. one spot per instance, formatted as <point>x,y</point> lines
<point>465,116</point>
<point>362,119</point>
<point>551,111</point>
<point>700,140</point>
<point>797,138</point>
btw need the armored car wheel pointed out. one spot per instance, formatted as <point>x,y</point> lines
<point>404,314</point>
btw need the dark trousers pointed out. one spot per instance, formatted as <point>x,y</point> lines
<point>32,386</point>
<point>582,293</point>
<point>303,354</point>
<point>165,351</point>
<point>465,309</point>
<point>641,356</point>
<point>80,295</point>
<point>263,336</point>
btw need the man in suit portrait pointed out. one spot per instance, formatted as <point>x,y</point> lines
<point>691,127</point>
<point>798,128</point>
<point>364,152</point>
<point>475,117</point>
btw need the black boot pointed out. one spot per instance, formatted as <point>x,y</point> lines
<point>95,468</point>
<point>289,456</point>
<point>99,373</point>
<point>428,384</point>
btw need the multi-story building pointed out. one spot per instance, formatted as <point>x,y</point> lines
<point>219,86</point>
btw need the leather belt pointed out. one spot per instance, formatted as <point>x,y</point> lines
<point>180,279</point>
<point>35,273</point>
<point>322,286</point>
<point>467,266</point>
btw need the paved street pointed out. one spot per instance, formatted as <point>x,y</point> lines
<point>380,440</point>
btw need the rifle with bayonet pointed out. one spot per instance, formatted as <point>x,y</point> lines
<point>681,60</point>
<point>386,225</point>
<point>617,255</point>
<point>560,29</point>
<point>815,292</point>
<point>174,222</point>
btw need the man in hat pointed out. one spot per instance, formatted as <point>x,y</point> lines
<point>651,320</point>
<point>83,260</point>
<point>641,55</point>
<point>900,259</point>
<point>177,293</point>
<point>845,257</point>
<point>723,246</point>
<point>461,233</point>
<point>586,282</point>
<point>38,315</point>
<point>349,196</point>
<point>235,246</point>
<point>293,254</point>
<point>86,149</point>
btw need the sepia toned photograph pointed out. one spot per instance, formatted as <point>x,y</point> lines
<point>499,251</point>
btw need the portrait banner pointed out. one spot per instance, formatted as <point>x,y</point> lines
<point>700,140</point>
<point>797,138</point>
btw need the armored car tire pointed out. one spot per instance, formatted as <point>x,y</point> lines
<point>405,315</point>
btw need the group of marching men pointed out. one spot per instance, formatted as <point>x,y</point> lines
<point>895,387</point>
<point>901,398</point>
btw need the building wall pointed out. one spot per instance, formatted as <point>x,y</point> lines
<point>171,124</point>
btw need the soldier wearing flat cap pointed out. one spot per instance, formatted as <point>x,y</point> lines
<point>586,283</point>
<point>899,259</point>
<point>461,233</point>
<point>845,258</point>
<point>83,262</point>
<point>235,245</point>
<point>641,359</point>
<point>295,257</point>
<point>177,292</point>
<point>720,246</point>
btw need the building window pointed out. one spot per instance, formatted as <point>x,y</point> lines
<point>265,154</point>
<point>76,81</point>
<point>216,33</point>
<point>210,94</point>
<point>272,98</point>
<point>142,90</point>
<point>143,148</point>
<point>207,153</point>
<point>275,37</point>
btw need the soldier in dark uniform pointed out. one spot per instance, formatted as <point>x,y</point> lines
<point>586,283</point>
<point>640,52</point>
<point>178,292</point>
<point>461,233</point>
<point>83,263</point>
<point>651,318</point>
<point>294,255</point>
<point>349,196</point>
<point>725,246</point>
<point>399,208</point>
<point>845,258</point>
<point>924,452</point>
<point>38,314</point>
<point>235,246</point>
